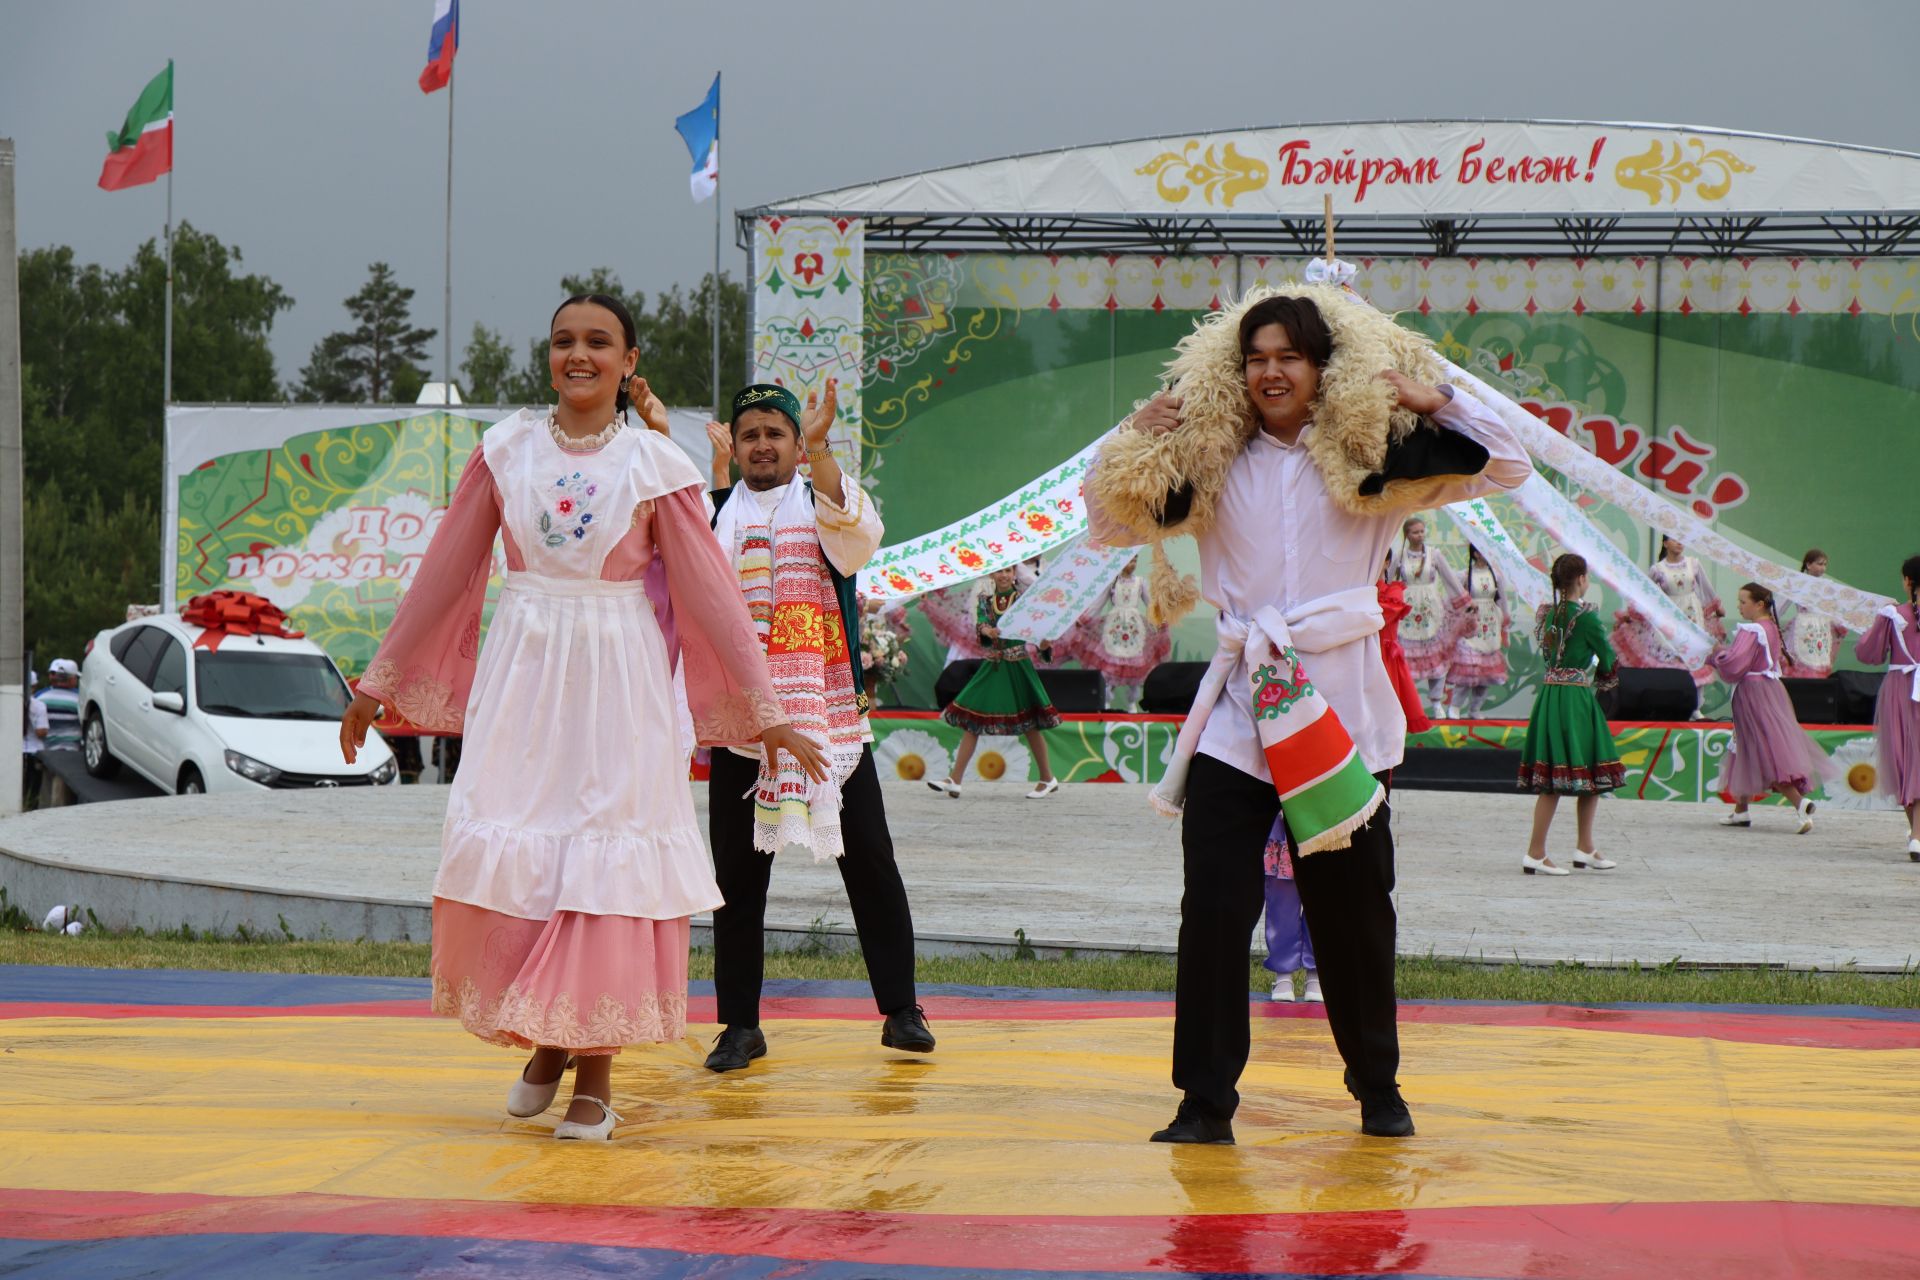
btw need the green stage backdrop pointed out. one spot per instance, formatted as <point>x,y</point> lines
<point>1776,397</point>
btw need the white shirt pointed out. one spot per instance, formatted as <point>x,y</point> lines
<point>1279,540</point>
<point>36,720</point>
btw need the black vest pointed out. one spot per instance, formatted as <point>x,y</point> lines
<point>845,592</point>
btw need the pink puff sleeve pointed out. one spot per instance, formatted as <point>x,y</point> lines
<point>424,669</point>
<point>1739,658</point>
<point>728,688</point>
<point>1876,646</point>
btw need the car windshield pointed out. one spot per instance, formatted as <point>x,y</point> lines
<point>268,686</point>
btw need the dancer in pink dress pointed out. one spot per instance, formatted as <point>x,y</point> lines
<point>1479,660</point>
<point>571,858</point>
<point>1894,638</point>
<point>1770,751</point>
<point>1684,581</point>
<point>1810,637</point>
<point>1431,585</point>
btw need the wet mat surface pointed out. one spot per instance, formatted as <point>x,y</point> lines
<point>163,1123</point>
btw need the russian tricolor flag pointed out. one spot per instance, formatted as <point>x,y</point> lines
<point>440,45</point>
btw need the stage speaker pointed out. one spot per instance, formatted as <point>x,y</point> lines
<point>952,681</point>
<point>1856,693</point>
<point>1814,701</point>
<point>1075,691</point>
<point>1651,693</point>
<point>1171,688</point>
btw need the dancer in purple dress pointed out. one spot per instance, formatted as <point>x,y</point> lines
<point>1894,638</point>
<point>1770,752</point>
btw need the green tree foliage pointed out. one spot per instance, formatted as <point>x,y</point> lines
<point>92,348</point>
<point>381,359</point>
<point>674,333</point>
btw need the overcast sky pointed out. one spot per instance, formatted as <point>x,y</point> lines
<point>303,138</point>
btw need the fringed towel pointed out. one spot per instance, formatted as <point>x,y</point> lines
<point>1326,792</point>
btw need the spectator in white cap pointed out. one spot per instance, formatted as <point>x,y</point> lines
<point>61,702</point>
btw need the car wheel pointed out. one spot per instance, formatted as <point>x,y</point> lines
<point>191,783</point>
<point>93,747</point>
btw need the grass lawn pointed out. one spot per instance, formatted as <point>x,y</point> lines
<point>1420,978</point>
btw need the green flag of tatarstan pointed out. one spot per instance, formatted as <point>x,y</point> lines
<point>142,149</point>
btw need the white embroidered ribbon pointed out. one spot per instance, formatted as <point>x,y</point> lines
<point>1567,525</point>
<point>1317,626</point>
<point>1854,608</point>
<point>1075,582</point>
<point>1482,528</point>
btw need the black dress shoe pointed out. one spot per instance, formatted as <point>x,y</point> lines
<point>735,1047</point>
<point>1192,1125</point>
<point>907,1029</point>
<point>1386,1117</point>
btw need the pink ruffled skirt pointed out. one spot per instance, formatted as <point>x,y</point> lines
<point>1769,747</point>
<point>584,983</point>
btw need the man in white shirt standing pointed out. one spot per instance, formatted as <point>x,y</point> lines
<point>1293,442</point>
<point>796,547</point>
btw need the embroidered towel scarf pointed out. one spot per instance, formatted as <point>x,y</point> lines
<point>1326,792</point>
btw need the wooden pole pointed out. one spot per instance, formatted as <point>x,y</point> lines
<point>1326,215</point>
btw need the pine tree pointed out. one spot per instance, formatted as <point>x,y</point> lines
<point>380,359</point>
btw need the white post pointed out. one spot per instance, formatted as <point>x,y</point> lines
<point>446,335</point>
<point>166,407</point>
<point>13,642</point>
<point>713,299</point>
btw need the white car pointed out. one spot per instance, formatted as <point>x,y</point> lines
<point>257,713</point>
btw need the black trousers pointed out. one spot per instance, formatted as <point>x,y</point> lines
<point>1346,895</point>
<point>879,900</point>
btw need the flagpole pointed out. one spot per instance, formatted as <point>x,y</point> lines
<point>446,334</point>
<point>166,388</point>
<point>713,299</point>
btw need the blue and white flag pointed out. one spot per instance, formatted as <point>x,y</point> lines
<point>701,129</point>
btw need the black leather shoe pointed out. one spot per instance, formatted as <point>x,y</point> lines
<point>1386,1117</point>
<point>1192,1125</point>
<point>907,1029</point>
<point>735,1047</point>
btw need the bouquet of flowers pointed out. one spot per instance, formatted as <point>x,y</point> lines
<point>883,656</point>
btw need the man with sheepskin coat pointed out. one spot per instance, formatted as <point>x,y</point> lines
<point>1299,428</point>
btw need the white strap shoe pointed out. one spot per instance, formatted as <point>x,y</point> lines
<point>1044,789</point>
<point>947,785</point>
<point>1805,810</point>
<point>526,1100</point>
<point>1312,994</point>
<point>1593,860</point>
<point>1540,866</point>
<point>589,1132</point>
<point>1282,988</point>
<point>1913,847</point>
<point>1736,820</point>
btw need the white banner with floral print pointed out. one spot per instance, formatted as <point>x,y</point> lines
<point>1851,607</point>
<point>1076,581</point>
<point>1567,525</point>
<point>1483,530</point>
<point>809,321</point>
<point>1041,517</point>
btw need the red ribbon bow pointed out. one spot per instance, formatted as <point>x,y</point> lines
<point>235,613</point>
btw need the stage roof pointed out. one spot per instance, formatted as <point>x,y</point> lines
<point>1404,187</point>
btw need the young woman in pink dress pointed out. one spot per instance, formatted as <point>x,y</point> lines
<point>1894,638</point>
<point>571,859</point>
<point>1770,751</point>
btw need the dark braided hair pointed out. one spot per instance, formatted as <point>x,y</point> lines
<point>1910,570</point>
<point>1762,595</point>
<point>622,400</point>
<point>1568,569</point>
<point>1473,554</point>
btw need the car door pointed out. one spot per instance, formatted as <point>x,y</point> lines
<point>166,734</point>
<point>127,690</point>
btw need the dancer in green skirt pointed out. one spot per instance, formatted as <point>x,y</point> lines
<point>1005,695</point>
<point>1569,749</point>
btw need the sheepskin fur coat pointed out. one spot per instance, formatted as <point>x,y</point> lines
<point>1376,458</point>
